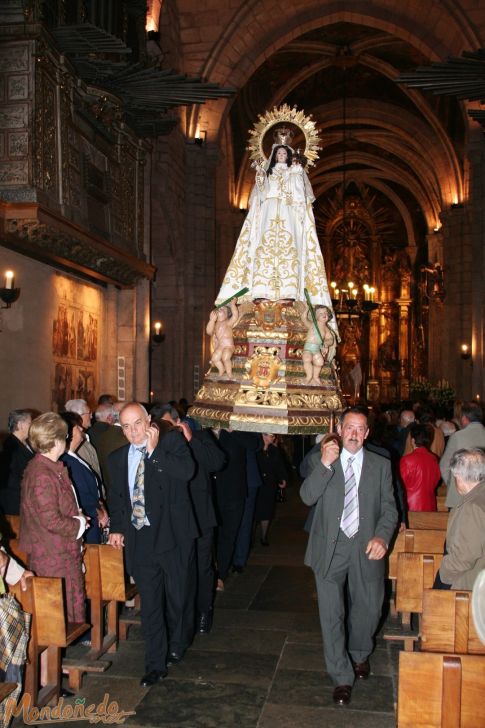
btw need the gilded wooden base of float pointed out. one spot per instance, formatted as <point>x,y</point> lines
<point>267,390</point>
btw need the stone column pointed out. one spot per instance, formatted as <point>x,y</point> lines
<point>404,306</point>
<point>183,231</point>
<point>455,327</point>
<point>476,157</point>
<point>373,390</point>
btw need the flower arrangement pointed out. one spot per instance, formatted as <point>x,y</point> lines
<point>420,387</point>
<point>440,393</point>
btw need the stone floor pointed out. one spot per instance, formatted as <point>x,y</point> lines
<point>261,666</point>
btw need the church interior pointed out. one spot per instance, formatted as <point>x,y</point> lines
<point>125,179</point>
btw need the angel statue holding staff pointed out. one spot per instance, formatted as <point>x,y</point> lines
<point>277,253</point>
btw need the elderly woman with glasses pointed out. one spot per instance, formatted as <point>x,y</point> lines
<point>51,521</point>
<point>465,537</point>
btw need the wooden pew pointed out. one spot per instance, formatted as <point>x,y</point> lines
<point>50,632</point>
<point>11,538</point>
<point>416,541</point>
<point>13,524</point>
<point>447,623</point>
<point>415,573</point>
<point>428,520</point>
<point>440,691</point>
<point>441,498</point>
<point>105,587</point>
<point>441,505</point>
<point>6,688</point>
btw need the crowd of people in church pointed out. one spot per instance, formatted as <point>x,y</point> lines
<point>81,476</point>
<point>187,504</point>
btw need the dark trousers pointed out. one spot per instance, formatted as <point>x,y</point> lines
<point>150,574</point>
<point>181,584</point>
<point>243,541</point>
<point>205,571</point>
<point>230,516</point>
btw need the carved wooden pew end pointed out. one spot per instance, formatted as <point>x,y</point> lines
<point>50,632</point>
<point>106,587</point>
<point>439,690</point>
<point>415,574</point>
<point>447,623</point>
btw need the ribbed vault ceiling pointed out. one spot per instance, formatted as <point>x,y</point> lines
<point>405,144</point>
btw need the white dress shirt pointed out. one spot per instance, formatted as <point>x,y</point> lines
<point>357,462</point>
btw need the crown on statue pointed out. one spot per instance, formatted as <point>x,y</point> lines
<point>276,121</point>
<point>283,135</point>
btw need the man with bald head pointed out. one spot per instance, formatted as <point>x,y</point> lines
<point>406,419</point>
<point>146,476</point>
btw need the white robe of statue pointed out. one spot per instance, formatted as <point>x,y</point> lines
<point>277,254</point>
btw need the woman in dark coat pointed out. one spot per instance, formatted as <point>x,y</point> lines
<point>273,472</point>
<point>84,479</point>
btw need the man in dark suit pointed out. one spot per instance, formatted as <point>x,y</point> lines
<point>209,459</point>
<point>355,519</point>
<point>103,419</point>
<point>230,494</point>
<point>109,441</point>
<point>149,506</point>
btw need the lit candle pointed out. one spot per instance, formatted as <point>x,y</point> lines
<point>333,285</point>
<point>464,348</point>
<point>372,290</point>
<point>9,279</point>
<point>366,292</point>
<point>354,292</point>
<point>478,397</point>
<point>158,327</point>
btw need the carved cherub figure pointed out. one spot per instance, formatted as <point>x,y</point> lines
<point>316,353</point>
<point>221,323</point>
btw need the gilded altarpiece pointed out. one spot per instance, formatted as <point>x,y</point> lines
<point>362,245</point>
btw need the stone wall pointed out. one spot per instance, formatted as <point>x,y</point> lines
<point>37,351</point>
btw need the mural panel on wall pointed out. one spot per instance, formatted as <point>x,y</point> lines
<point>75,355</point>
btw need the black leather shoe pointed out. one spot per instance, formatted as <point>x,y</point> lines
<point>173,658</point>
<point>205,622</point>
<point>362,670</point>
<point>341,694</point>
<point>264,542</point>
<point>152,677</point>
<point>63,693</point>
<point>237,569</point>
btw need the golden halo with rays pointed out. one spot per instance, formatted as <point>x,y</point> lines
<point>277,115</point>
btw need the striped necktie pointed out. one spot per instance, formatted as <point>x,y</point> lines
<point>350,516</point>
<point>138,512</point>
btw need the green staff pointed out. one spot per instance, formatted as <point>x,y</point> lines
<point>236,295</point>
<point>314,318</point>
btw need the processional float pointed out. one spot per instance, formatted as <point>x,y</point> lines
<point>273,331</point>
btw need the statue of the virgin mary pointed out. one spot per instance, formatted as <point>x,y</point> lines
<point>277,254</point>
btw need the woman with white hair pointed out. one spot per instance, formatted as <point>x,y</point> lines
<point>465,537</point>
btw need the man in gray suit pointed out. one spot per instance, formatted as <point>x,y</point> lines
<point>472,435</point>
<point>355,519</point>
